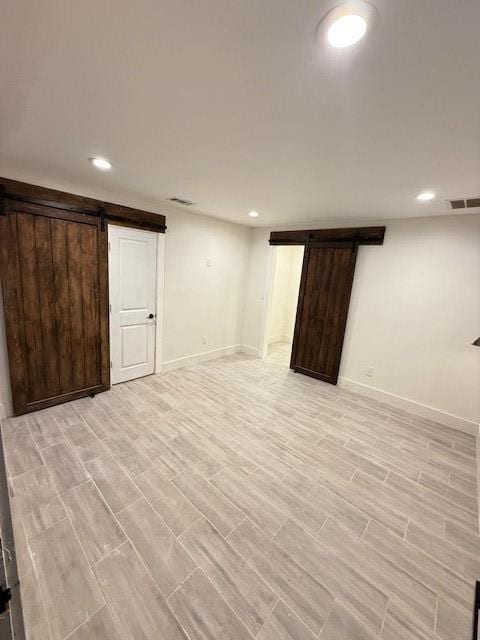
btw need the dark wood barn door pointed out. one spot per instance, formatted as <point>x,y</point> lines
<point>54,281</point>
<point>327,277</point>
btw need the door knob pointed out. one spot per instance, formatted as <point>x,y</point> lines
<point>151,316</point>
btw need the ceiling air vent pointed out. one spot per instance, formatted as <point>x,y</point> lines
<point>182,201</point>
<point>464,203</point>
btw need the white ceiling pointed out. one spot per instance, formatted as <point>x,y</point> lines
<point>234,105</point>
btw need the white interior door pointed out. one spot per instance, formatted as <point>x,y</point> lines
<point>132,276</point>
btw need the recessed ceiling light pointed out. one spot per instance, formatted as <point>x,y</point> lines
<point>346,31</point>
<point>253,214</point>
<point>425,196</point>
<point>101,163</point>
<point>347,24</point>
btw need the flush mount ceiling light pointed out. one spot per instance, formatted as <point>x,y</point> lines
<point>347,24</point>
<point>253,214</point>
<point>425,196</point>
<point>101,163</point>
<point>346,31</point>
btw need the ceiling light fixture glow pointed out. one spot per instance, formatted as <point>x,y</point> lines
<point>346,31</point>
<point>253,214</point>
<point>425,196</point>
<point>101,163</point>
<point>347,24</point>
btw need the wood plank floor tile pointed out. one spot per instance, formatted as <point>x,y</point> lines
<point>240,586</point>
<point>96,528</point>
<point>64,467</point>
<point>264,512</point>
<point>419,601</point>
<point>21,453</point>
<point>283,624</point>
<point>84,442</point>
<point>422,566</point>
<point>165,558</point>
<point>44,429</point>
<point>172,505</point>
<point>209,501</point>
<point>399,625</point>
<point>67,585</point>
<point>342,624</point>
<point>341,580</point>
<point>453,621</point>
<point>99,627</point>
<point>203,613</point>
<point>134,599</point>
<point>39,504</point>
<point>116,487</point>
<point>458,561</point>
<point>302,592</point>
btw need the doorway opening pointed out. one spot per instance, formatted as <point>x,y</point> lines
<point>286,276</point>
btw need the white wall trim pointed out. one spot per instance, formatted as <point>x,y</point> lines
<point>203,356</point>
<point>417,408</point>
<point>160,301</point>
<point>252,351</point>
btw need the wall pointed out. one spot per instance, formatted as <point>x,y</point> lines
<point>414,312</point>
<point>283,306</point>
<point>202,305</point>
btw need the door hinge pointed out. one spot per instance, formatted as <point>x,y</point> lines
<point>109,246</point>
<point>110,308</point>
<point>111,365</point>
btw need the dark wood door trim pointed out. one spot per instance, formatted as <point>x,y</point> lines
<point>361,235</point>
<point>119,214</point>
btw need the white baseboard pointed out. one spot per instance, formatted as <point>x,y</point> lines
<point>203,356</point>
<point>419,409</point>
<point>252,351</point>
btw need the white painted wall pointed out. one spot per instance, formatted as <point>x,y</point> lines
<point>415,310</point>
<point>286,282</point>
<point>203,302</point>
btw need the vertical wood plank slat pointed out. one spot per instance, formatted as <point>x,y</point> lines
<point>88,245</point>
<point>46,307</point>
<point>75,268</point>
<point>31,306</point>
<point>62,303</point>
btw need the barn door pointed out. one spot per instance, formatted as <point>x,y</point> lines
<point>325,288</point>
<point>54,281</point>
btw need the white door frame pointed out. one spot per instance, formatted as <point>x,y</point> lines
<point>159,301</point>
<point>267,300</point>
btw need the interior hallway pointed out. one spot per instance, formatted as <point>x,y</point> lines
<point>238,499</point>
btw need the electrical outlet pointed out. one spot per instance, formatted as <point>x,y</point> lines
<point>209,262</point>
<point>370,372</point>
<point>204,339</point>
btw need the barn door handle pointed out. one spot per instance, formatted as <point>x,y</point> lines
<point>151,316</point>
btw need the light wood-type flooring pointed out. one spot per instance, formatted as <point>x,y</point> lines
<point>238,500</point>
